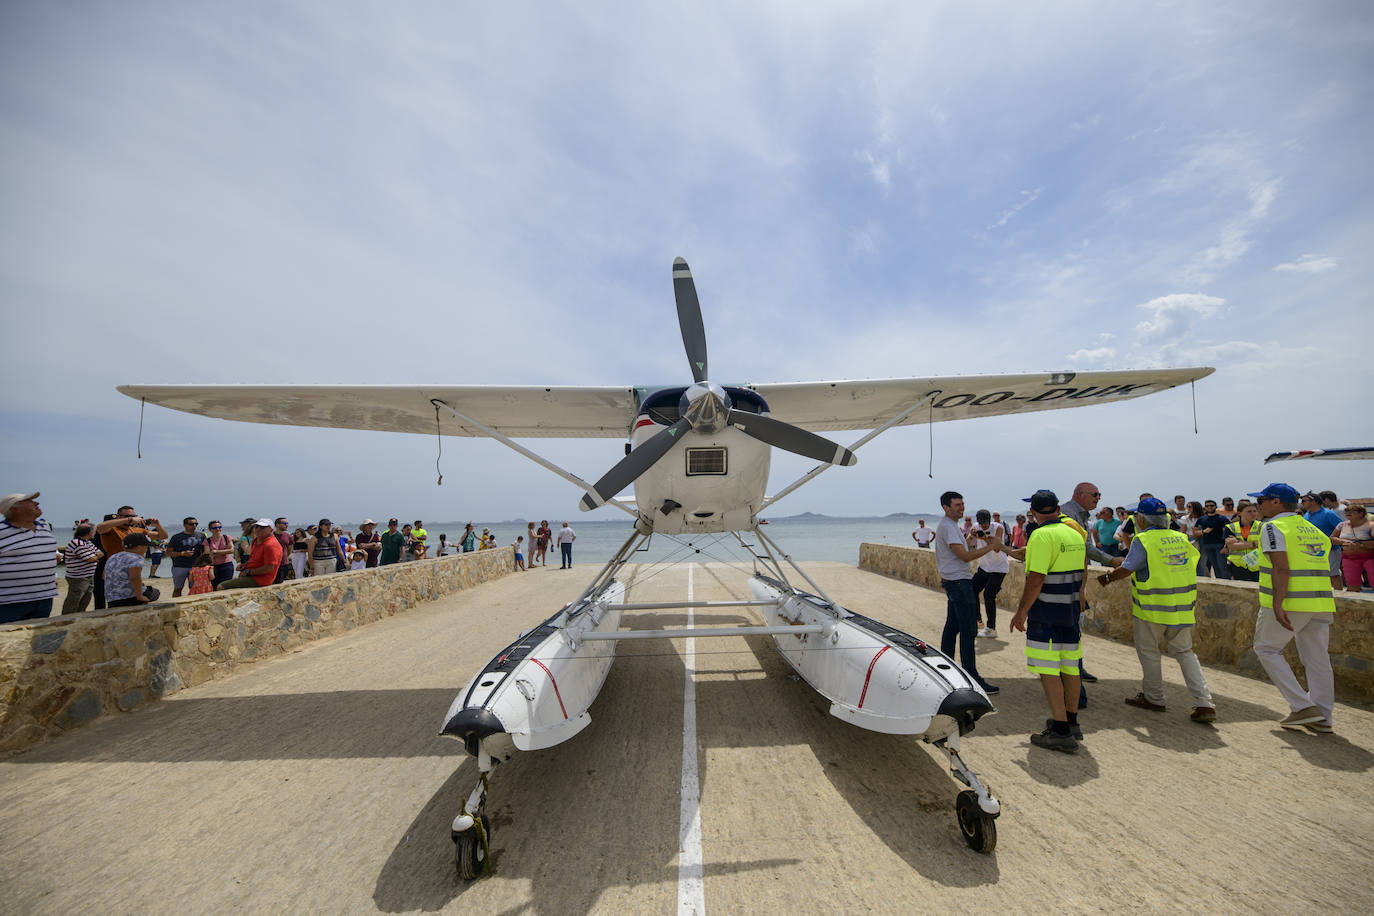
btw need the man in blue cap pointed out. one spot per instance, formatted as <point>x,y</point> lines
<point>1296,603</point>
<point>1051,602</point>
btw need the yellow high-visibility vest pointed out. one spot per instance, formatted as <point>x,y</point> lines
<point>1309,567</point>
<point>1170,594</point>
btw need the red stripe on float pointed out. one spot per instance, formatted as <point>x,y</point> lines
<point>870,674</point>
<point>643,421</point>
<point>553,681</point>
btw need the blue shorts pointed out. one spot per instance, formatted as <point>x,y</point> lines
<point>1053,650</point>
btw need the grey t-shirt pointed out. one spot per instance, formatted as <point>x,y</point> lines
<point>950,566</point>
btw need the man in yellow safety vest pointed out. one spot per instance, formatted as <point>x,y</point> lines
<point>1295,603</point>
<point>1162,565</point>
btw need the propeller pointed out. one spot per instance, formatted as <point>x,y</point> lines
<point>689,319</point>
<point>705,408</point>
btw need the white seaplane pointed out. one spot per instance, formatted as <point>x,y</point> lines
<point>698,459</point>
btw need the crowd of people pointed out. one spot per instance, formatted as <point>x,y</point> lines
<point>1298,548</point>
<point>105,561</point>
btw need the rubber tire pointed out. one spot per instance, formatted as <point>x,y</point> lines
<point>978,827</point>
<point>468,851</point>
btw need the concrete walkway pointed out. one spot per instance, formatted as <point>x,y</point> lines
<point>315,783</point>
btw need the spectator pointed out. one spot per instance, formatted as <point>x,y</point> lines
<point>1210,533</point>
<point>1295,604</point>
<point>184,547</point>
<point>530,540</point>
<point>1018,534</point>
<point>1326,520</point>
<point>952,558</point>
<point>1180,506</point>
<point>243,544</point>
<point>418,532</point>
<point>28,560</point>
<point>519,546</point>
<point>112,531</point>
<point>566,536</point>
<point>443,545</point>
<point>1104,531</point>
<point>1228,508</point>
<point>1242,544</point>
<point>359,560</point>
<point>967,526</point>
<point>1187,522</point>
<point>124,573</point>
<point>1162,566</point>
<point>923,535</point>
<point>325,553</point>
<point>264,558</point>
<point>80,558</point>
<point>1052,602</point>
<point>279,531</point>
<point>408,550</point>
<point>155,548</point>
<point>202,577</point>
<point>1329,501</point>
<point>300,552</point>
<point>393,542</point>
<point>469,541</point>
<point>545,535</point>
<point>488,540</point>
<point>992,568</point>
<point>1356,540</point>
<point>998,523</point>
<point>369,541</point>
<point>221,549</point>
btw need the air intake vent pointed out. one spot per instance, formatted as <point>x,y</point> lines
<point>701,461</point>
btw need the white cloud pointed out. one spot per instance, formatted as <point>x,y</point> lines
<point>1309,264</point>
<point>1236,236</point>
<point>1096,355</point>
<point>878,168</point>
<point>1027,198</point>
<point>1172,316</point>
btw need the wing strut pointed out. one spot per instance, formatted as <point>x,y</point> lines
<point>815,472</point>
<point>537,459</point>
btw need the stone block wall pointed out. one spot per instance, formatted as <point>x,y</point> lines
<point>61,672</point>
<point>1226,614</point>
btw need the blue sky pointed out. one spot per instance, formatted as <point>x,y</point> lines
<point>360,193</point>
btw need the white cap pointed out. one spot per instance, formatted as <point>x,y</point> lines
<point>8,502</point>
<point>263,523</point>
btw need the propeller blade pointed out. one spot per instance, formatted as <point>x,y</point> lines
<point>689,319</point>
<point>632,465</point>
<point>790,438</point>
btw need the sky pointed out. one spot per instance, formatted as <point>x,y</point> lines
<point>443,193</point>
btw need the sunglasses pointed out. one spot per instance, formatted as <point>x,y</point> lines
<point>216,527</point>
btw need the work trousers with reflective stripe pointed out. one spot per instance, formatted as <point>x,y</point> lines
<point>1312,632</point>
<point>1177,642</point>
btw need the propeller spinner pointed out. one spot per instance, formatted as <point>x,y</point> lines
<point>706,408</point>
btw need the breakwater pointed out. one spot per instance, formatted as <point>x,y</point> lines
<point>1226,611</point>
<point>59,673</point>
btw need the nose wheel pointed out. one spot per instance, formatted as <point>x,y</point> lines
<point>472,848</point>
<point>978,827</point>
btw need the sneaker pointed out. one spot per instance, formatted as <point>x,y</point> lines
<point>1203,714</point>
<point>1087,678</point>
<point>1050,741</point>
<point>1140,701</point>
<point>1296,720</point>
<point>985,632</point>
<point>989,689</point>
<point>1319,728</point>
<point>1076,729</point>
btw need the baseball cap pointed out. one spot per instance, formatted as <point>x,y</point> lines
<point>1312,495</point>
<point>1280,491</point>
<point>1042,501</point>
<point>263,523</point>
<point>250,521</point>
<point>1150,506</point>
<point>8,502</point>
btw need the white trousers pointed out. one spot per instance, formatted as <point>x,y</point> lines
<point>1312,632</point>
<point>1177,642</point>
<point>298,563</point>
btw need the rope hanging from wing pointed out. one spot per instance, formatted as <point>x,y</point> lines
<point>930,428</point>
<point>438,434</point>
<point>142,402</point>
<point>1193,385</point>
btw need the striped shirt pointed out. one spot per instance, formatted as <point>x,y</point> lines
<point>28,563</point>
<point>80,559</point>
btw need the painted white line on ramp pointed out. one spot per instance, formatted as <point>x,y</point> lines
<point>691,896</point>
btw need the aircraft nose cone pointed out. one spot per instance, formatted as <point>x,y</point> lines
<point>965,706</point>
<point>705,405</point>
<point>472,725</point>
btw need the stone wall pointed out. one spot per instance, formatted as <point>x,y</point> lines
<point>1226,614</point>
<point>61,672</point>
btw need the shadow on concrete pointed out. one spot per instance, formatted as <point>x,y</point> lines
<point>1330,752</point>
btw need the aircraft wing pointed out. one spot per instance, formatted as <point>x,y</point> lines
<point>841,405</point>
<point>1338,454</point>
<point>524,411</point>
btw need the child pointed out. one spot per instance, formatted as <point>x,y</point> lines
<point>203,575</point>
<point>417,551</point>
<point>443,546</point>
<point>519,546</point>
<point>359,560</point>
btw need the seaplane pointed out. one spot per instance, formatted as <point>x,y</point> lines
<point>697,456</point>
